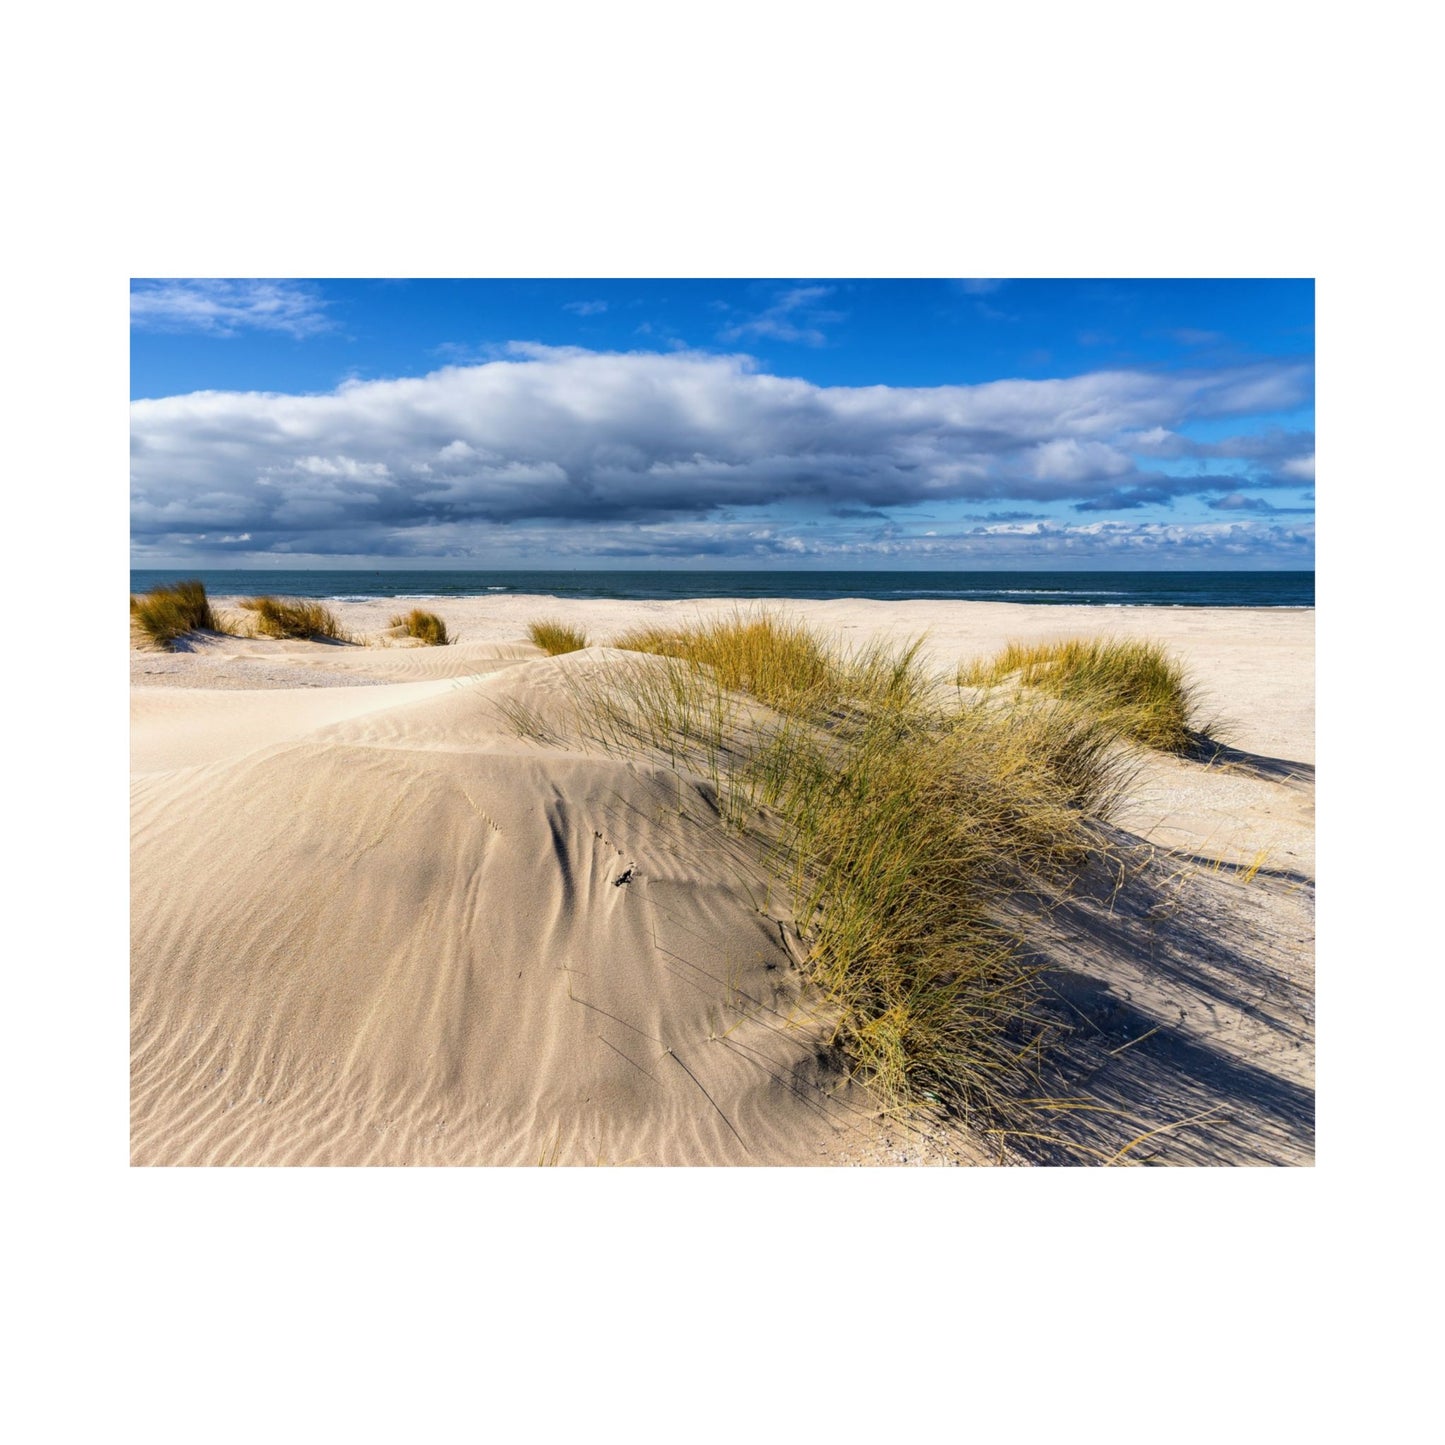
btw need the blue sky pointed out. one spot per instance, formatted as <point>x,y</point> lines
<point>786,423</point>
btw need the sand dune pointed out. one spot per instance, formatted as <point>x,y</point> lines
<point>399,938</point>
<point>373,926</point>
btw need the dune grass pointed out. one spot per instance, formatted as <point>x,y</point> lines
<point>778,661</point>
<point>904,845</point>
<point>555,638</point>
<point>426,627</point>
<point>171,610</point>
<point>904,820</point>
<point>295,618</point>
<point>1136,686</point>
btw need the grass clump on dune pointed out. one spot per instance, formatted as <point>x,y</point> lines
<point>1135,686</point>
<point>294,618</point>
<point>905,822</point>
<point>778,661</point>
<point>905,844</point>
<point>169,611</point>
<point>426,627</point>
<point>555,638</point>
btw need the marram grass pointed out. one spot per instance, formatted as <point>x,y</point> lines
<point>426,627</point>
<point>904,821</point>
<point>778,661</point>
<point>1135,686</point>
<point>294,617</point>
<point>555,638</point>
<point>168,612</point>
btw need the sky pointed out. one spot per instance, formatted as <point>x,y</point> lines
<point>822,424</point>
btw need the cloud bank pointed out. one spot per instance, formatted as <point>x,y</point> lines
<point>590,451</point>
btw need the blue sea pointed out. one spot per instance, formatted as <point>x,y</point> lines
<point>1099,589</point>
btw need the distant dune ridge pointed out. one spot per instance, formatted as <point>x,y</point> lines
<point>374,925</point>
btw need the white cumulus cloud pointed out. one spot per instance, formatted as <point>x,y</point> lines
<point>434,464</point>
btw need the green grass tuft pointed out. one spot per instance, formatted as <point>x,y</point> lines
<point>555,638</point>
<point>294,617</point>
<point>1136,687</point>
<point>168,612</point>
<point>425,626</point>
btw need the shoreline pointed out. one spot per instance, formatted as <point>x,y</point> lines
<point>1052,587</point>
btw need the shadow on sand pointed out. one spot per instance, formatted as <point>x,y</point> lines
<point>1254,765</point>
<point>1178,1009</point>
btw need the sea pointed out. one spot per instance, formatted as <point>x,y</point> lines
<point>1041,589</point>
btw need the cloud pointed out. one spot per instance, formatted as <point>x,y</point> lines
<point>871,514</point>
<point>1237,502</point>
<point>795,315</point>
<point>1189,336</point>
<point>222,308</point>
<point>1274,445</point>
<point>1025,543</point>
<point>585,308</point>
<point>1282,458</point>
<point>977,289</point>
<point>1068,460</point>
<point>1156,491</point>
<point>568,438</point>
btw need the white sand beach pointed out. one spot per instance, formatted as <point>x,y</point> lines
<point>372,925</point>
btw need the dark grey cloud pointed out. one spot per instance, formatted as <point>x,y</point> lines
<point>1160,489</point>
<point>1238,502</point>
<point>425,466</point>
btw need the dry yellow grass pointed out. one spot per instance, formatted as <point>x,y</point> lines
<point>1135,686</point>
<point>168,612</point>
<point>294,617</point>
<point>426,627</point>
<point>903,820</point>
<point>555,638</point>
<point>779,661</point>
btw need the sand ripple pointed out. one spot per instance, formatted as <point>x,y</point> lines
<point>388,934</point>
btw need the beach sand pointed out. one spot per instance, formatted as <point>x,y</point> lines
<point>373,926</point>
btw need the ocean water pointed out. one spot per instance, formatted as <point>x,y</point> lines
<point>1100,589</point>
